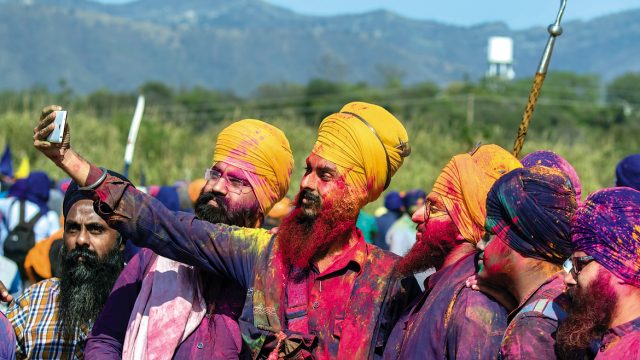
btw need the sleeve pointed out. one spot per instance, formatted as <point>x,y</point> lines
<point>404,295</point>
<point>7,339</point>
<point>107,335</point>
<point>18,315</point>
<point>530,337</point>
<point>227,251</point>
<point>477,327</point>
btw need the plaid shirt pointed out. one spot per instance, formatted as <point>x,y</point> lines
<point>34,316</point>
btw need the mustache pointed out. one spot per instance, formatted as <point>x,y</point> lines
<point>205,197</point>
<point>309,196</point>
<point>89,256</point>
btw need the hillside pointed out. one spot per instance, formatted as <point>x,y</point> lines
<point>238,45</point>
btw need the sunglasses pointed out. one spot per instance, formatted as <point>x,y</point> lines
<point>575,264</point>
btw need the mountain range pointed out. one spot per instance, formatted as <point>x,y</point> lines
<point>239,44</point>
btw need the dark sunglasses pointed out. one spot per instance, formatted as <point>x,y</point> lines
<point>576,264</point>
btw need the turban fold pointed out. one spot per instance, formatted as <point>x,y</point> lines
<point>262,152</point>
<point>628,172</point>
<point>367,143</point>
<point>530,210</point>
<point>550,159</point>
<point>607,227</point>
<point>464,183</point>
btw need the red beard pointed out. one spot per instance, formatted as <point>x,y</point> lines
<point>431,248</point>
<point>303,240</point>
<point>589,317</point>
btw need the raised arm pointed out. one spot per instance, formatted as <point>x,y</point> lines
<point>227,251</point>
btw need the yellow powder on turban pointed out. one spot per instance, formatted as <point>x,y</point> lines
<point>465,182</point>
<point>262,151</point>
<point>367,143</point>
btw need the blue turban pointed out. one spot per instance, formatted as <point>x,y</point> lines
<point>628,172</point>
<point>607,227</point>
<point>530,210</point>
<point>393,201</point>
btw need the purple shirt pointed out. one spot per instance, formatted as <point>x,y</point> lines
<point>450,321</point>
<point>531,333</point>
<point>7,339</point>
<point>217,336</point>
<point>621,342</point>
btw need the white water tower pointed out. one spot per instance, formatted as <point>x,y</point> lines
<point>500,57</point>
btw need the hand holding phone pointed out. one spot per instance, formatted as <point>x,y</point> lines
<point>58,131</point>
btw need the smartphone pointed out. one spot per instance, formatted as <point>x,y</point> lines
<point>58,131</point>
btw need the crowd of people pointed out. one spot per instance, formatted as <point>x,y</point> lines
<point>502,259</point>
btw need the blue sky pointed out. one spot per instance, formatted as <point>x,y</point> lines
<point>517,14</point>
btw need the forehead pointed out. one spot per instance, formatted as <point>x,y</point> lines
<point>320,162</point>
<point>226,167</point>
<point>82,212</point>
<point>434,198</point>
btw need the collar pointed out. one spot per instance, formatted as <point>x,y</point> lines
<point>354,256</point>
<point>554,283</point>
<point>620,331</point>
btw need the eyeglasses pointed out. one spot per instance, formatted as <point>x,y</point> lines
<point>576,264</point>
<point>431,208</point>
<point>233,184</point>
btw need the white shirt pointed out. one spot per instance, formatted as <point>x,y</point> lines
<point>44,227</point>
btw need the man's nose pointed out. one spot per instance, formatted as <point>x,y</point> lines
<point>83,238</point>
<point>569,279</point>
<point>217,186</point>
<point>418,216</point>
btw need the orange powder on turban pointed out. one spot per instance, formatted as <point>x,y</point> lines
<point>465,182</point>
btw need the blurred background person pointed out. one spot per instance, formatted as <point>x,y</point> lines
<point>628,172</point>
<point>395,208</point>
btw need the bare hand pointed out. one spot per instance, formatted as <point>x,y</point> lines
<point>4,293</point>
<point>499,294</point>
<point>45,126</point>
<point>274,231</point>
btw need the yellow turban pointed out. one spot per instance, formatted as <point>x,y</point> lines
<point>465,182</point>
<point>365,141</point>
<point>262,151</point>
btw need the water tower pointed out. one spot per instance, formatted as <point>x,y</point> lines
<point>500,57</point>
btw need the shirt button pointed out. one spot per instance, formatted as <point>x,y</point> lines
<point>200,345</point>
<point>315,305</point>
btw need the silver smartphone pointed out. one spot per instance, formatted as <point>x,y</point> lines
<point>58,131</point>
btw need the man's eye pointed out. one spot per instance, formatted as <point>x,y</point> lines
<point>236,182</point>
<point>307,170</point>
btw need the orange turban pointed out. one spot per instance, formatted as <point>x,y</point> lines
<point>194,189</point>
<point>262,152</point>
<point>366,142</point>
<point>465,182</point>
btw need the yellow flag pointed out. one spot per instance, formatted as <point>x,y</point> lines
<point>23,169</point>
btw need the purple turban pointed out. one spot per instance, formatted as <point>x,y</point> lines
<point>607,227</point>
<point>530,210</point>
<point>550,159</point>
<point>34,188</point>
<point>628,172</point>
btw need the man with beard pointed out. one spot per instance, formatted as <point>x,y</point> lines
<point>316,289</point>
<point>604,277</point>
<point>451,321</point>
<point>161,307</point>
<point>528,216</point>
<point>52,318</point>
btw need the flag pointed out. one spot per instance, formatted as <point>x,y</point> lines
<point>6,163</point>
<point>23,169</point>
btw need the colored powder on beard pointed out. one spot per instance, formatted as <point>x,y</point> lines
<point>303,240</point>
<point>431,247</point>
